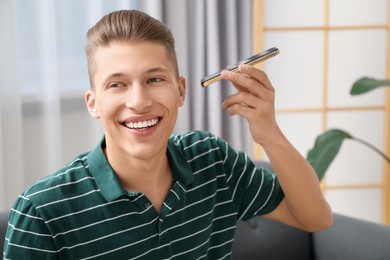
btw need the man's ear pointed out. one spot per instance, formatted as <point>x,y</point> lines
<point>182,90</point>
<point>91,104</point>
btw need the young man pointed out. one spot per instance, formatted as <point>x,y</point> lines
<point>146,194</point>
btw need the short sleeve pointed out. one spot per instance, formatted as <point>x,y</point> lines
<point>27,234</point>
<point>255,191</point>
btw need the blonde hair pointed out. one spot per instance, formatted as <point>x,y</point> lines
<point>127,25</point>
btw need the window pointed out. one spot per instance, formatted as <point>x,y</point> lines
<point>325,47</point>
<point>52,51</point>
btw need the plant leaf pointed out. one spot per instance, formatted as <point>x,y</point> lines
<point>325,149</point>
<point>366,84</point>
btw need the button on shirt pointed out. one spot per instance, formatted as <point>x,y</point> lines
<point>82,212</point>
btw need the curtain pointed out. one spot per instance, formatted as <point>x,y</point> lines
<point>215,34</point>
<point>43,76</point>
<point>10,108</point>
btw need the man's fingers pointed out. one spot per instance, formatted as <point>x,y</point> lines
<point>242,98</point>
<point>249,79</point>
<point>257,74</point>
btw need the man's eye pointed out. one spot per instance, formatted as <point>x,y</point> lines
<point>115,85</point>
<point>154,80</point>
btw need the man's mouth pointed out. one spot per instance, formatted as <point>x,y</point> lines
<point>142,125</point>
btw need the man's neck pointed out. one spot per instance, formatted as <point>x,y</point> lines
<point>153,178</point>
<point>136,174</point>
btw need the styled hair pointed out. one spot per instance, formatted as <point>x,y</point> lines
<point>127,25</point>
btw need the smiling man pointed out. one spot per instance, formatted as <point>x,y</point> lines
<point>145,193</point>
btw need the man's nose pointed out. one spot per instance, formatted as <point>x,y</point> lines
<point>138,97</point>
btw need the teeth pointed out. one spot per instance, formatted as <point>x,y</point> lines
<point>142,124</point>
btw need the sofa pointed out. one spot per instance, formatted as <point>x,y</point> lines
<point>348,239</point>
<point>3,228</point>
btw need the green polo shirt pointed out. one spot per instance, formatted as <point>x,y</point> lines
<point>82,212</point>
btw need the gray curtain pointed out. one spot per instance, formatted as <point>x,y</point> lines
<point>210,35</point>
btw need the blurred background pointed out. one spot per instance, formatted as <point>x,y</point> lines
<point>325,46</point>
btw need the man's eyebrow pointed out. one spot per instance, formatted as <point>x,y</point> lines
<point>114,75</point>
<point>157,69</point>
<point>120,74</point>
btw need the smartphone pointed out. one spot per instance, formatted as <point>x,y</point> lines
<point>262,56</point>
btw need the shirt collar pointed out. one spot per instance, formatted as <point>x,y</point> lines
<point>179,165</point>
<point>109,184</point>
<point>103,173</point>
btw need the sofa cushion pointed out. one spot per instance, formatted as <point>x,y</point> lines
<point>351,238</point>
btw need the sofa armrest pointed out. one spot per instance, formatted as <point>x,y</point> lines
<point>261,238</point>
<point>351,238</point>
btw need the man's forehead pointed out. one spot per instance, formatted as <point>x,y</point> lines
<point>118,59</point>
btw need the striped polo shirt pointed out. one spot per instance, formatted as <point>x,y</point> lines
<point>82,212</point>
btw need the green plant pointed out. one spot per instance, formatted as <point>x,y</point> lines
<point>328,144</point>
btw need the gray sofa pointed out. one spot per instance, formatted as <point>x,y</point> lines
<point>3,228</point>
<point>348,239</point>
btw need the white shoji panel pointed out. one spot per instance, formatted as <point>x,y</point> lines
<point>357,12</point>
<point>356,163</point>
<point>353,54</point>
<point>297,72</point>
<point>282,13</point>
<point>301,129</point>
<point>359,203</point>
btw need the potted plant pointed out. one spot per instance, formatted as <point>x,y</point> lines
<point>327,145</point>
